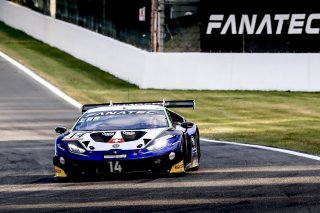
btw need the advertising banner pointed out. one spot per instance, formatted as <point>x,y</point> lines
<point>260,26</point>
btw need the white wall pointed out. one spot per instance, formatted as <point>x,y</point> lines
<point>120,59</point>
<point>221,71</point>
<point>237,71</point>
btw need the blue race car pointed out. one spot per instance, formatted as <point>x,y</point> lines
<point>128,137</point>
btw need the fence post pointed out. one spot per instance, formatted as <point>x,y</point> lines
<point>53,8</point>
<point>160,27</point>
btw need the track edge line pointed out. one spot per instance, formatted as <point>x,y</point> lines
<point>290,152</point>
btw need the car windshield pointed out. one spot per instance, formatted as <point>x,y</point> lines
<point>121,120</point>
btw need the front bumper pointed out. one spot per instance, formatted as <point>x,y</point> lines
<point>156,164</point>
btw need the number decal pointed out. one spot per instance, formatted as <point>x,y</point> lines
<point>111,167</point>
<point>115,167</point>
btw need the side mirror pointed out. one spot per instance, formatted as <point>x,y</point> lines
<point>187,125</point>
<point>60,130</point>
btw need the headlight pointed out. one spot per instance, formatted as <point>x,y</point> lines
<point>158,143</point>
<point>75,148</point>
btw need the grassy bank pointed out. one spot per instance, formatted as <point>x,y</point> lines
<point>280,119</point>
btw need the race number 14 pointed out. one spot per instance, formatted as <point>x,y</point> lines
<point>115,166</point>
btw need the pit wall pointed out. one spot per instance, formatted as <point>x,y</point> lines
<point>200,71</point>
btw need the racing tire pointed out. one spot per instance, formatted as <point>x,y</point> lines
<point>198,152</point>
<point>184,152</point>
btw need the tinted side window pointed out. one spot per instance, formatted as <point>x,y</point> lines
<point>175,118</point>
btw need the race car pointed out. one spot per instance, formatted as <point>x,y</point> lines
<point>128,137</point>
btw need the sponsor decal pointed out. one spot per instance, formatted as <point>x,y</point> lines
<point>177,168</point>
<point>269,23</point>
<point>128,133</point>
<point>59,172</point>
<point>123,112</point>
<point>108,134</point>
<point>252,26</point>
<point>115,146</point>
<point>70,139</point>
<point>115,156</point>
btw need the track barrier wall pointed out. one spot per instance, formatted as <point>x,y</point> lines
<point>194,70</point>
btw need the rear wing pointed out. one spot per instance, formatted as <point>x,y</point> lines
<point>168,104</point>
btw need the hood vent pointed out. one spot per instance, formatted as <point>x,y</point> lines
<point>132,135</point>
<point>127,136</point>
<point>102,136</point>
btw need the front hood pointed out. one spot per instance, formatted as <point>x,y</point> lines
<point>106,140</point>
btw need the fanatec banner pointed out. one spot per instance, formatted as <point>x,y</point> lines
<point>260,26</point>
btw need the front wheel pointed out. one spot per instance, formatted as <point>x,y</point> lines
<point>184,152</point>
<point>197,140</point>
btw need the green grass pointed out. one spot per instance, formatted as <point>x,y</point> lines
<point>280,119</point>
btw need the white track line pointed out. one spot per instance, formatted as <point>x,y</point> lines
<point>75,103</point>
<point>45,83</point>
<point>313,157</point>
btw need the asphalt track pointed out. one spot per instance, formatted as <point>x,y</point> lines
<point>231,178</point>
